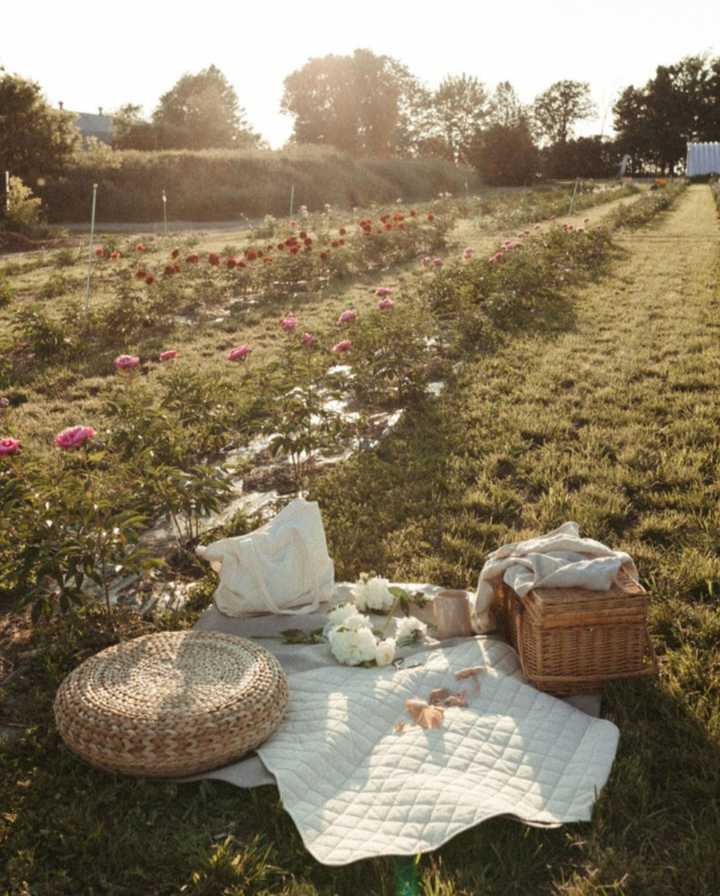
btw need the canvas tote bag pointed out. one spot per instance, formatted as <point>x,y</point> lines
<point>282,567</point>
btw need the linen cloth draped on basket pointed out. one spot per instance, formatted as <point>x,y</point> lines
<point>355,787</point>
<point>560,559</point>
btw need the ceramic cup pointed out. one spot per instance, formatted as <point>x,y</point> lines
<point>452,615</point>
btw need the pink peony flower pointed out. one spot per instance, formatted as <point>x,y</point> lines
<point>438,262</point>
<point>74,437</point>
<point>382,291</point>
<point>9,446</point>
<point>114,255</point>
<point>426,261</point>
<point>468,253</point>
<point>307,338</point>
<point>237,354</point>
<point>140,247</point>
<point>4,402</point>
<point>343,346</point>
<point>125,362</point>
<point>386,303</point>
<point>169,354</point>
<point>290,322</point>
<point>346,316</point>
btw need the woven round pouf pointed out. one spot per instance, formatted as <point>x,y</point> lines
<point>172,703</point>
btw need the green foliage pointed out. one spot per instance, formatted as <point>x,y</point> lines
<point>352,103</point>
<point>560,107</point>
<point>68,527</point>
<point>654,123</point>
<point>35,140</point>
<point>22,210</point>
<point>7,292</point>
<point>232,185</point>
<point>505,154</point>
<point>43,333</point>
<point>55,287</point>
<point>201,112</point>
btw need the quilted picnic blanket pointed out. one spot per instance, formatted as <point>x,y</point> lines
<point>359,778</point>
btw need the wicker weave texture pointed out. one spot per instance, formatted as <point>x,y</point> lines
<point>574,641</point>
<point>172,703</point>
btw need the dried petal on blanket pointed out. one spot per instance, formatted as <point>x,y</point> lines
<point>426,716</point>
<point>446,697</point>
<point>471,672</point>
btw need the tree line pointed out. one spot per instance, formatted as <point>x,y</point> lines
<point>372,106</point>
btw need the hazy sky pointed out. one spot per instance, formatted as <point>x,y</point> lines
<point>89,55</point>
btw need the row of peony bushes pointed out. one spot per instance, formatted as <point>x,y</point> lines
<point>224,185</point>
<point>158,447</point>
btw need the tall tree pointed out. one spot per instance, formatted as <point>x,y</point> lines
<point>505,106</point>
<point>202,112</point>
<point>355,103</point>
<point>461,108</point>
<point>560,107</point>
<point>681,103</point>
<point>505,154</point>
<point>36,141</point>
<point>131,131</point>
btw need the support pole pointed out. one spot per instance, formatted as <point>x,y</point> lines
<point>165,210</point>
<point>90,254</point>
<point>292,200</point>
<point>572,200</point>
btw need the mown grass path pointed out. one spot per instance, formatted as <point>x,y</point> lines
<point>604,409</point>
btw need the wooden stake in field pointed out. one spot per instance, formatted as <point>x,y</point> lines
<point>292,200</point>
<point>90,255</point>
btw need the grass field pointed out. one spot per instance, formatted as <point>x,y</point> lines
<point>597,401</point>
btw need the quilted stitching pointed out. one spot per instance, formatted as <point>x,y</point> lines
<point>356,789</point>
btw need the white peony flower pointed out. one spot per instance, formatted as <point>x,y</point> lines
<point>337,616</point>
<point>373,594</point>
<point>385,652</point>
<point>353,647</point>
<point>409,627</point>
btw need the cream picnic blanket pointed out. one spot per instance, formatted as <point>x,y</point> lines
<point>358,784</point>
<point>560,559</point>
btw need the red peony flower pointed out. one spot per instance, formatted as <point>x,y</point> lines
<point>140,247</point>
<point>231,263</point>
<point>175,253</point>
<point>149,280</point>
<point>169,270</point>
<point>9,446</point>
<point>342,231</point>
<point>214,258</point>
<point>141,275</point>
<point>192,259</point>
<point>73,437</point>
<point>125,362</point>
<point>237,354</point>
<point>99,251</point>
<point>431,217</point>
<point>114,255</point>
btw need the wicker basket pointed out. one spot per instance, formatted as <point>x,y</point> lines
<point>171,704</point>
<point>574,641</point>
